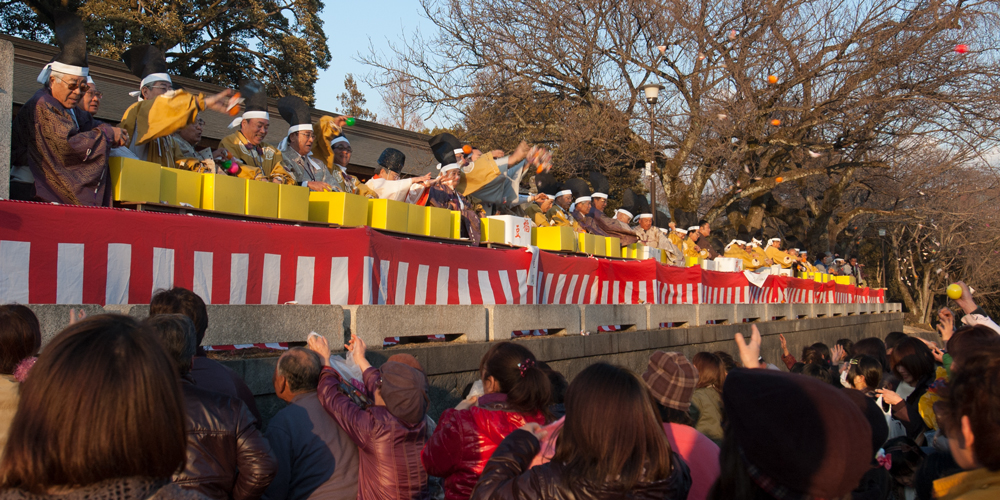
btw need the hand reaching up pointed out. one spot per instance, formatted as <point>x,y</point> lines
<point>318,344</point>
<point>749,353</point>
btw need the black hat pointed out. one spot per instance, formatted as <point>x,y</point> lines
<point>661,219</point>
<point>547,184</point>
<point>72,56</point>
<point>444,146</point>
<point>642,205</point>
<point>629,201</point>
<point>392,160</point>
<point>578,186</point>
<point>599,182</point>
<point>146,60</point>
<point>295,111</point>
<point>254,96</point>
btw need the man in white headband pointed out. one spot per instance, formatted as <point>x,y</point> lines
<point>690,246</point>
<point>442,194</point>
<point>296,148</point>
<point>774,252</point>
<point>59,153</point>
<point>257,159</point>
<point>736,249</point>
<point>161,111</point>
<point>651,236</point>
<point>581,213</point>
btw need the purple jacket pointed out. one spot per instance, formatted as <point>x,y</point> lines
<point>389,449</point>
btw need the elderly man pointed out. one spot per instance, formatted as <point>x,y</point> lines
<point>559,214</point>
<point>258,160</point>
<point>387,183</point>
<point>442,194</point>
<point>581,213</point>
<point>91,100</point>
<point>186,141</point>
<point>316,458</point>
<point>705,230</point>
<point>774,252</point>
<point>617,227</point>
<point>57,149</point>
<point>651,236</point>
<point>160,111</point>
<point>296,148</point>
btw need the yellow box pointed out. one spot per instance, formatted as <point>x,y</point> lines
<point>492,230</point>
<point>640,251</point>
<point>437,223</point>
<point>293,202</point>
<point>135,180</point>
<point>612,246</point>
<point>628,251</point>
<point>456,224</point>
<point>261,199</point>
<point>389,215</point>
<point>223,193</point>
<point>344,209</point>
<point>842,280</point>
<point>416,219</point>
<point>560,238</point>
<point>180,186</point>
<point>600,246</point>
<point>692,261</point>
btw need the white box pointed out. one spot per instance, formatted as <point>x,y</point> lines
<point>786,272</point>
<point>709,265</point>
<point>728,264</point>
<point>650,253</point>
<point>517,230</point>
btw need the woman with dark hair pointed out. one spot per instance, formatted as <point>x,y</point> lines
<point>517,391</point>
<point>612,445</point>
<point>913,363</point>
<point>20,339</point>
<point>874,348</point>
<point>101,416</point>
<point>970,414</point>
<point>865,374</point>
<point>707,397</point>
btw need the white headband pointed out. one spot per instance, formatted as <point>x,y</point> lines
<point>151,78</point>
<point>694,228</point>
<point>339,138</point>
<point>599,195</point>
<point>681,230</point>
<point>582,199</point>
<point>772,240</point>
<point>249,115</point>
<point>731,243</point>
<point>291,130</point>
<point>459,151</point>
<point>563,193</point>
<point>59,67</point>
<point>623,211</point>
<point>755,241</point>
<point>645,216</point>
<point>90,81</point>
<point>450,166</point>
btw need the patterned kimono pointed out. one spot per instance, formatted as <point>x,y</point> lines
<point>613,227</point>
<point>442,196</point>
<point>588,223</point>
<point>66,151</point>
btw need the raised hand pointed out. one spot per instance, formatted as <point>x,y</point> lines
<point>946,324</point>
<point>749,353</point>
<point>222,101</point>
<point>784,344</point>
<point>320,346</point>
<point>838,354</point>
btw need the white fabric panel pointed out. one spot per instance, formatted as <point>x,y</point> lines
<point>239,271</point>
<point>305,279</point>
<point>69,274</point>
<point>119,273</point>
<point>202,283</point>
<point>14,259</point>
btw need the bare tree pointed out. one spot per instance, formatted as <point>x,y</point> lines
<point>402,105</point>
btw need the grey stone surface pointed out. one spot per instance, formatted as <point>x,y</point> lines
<point>375,323</point>
<point>721,313</point>
<point>802,311</point>
<point>54,317</point>
<point>631,316</point>
<point>248,324</point>
<point>753,313</point>
<point>6,113</point>
<point>504,319</point>
<point>673,313</point>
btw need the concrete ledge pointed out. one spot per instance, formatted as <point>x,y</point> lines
<point>722,314</point>
<point>374,323</point>
<point>753,313</point>
<point>504,319</point>
<point>802,311</point>
<point>54,317</point>
<point>248,324</point>
<point>674,314</point>
<point>631,316</point>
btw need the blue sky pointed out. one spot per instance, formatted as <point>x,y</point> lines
<point>348,27</point>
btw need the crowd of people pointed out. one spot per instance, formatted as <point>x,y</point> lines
<point>120,408</point>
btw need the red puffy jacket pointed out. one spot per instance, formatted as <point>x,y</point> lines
<point>465,439</point>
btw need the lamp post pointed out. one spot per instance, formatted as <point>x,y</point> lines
<point>885,265</point>
<point>652,91</point>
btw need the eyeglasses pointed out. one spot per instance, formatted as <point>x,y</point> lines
<point>93,94</point>
<point>344,149</point>
<point>165,87</point>
<point>73,86</point>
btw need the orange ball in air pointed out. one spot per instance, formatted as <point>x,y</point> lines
<point>467,149</point>
<point>779,180</point>
<point>961,48</point>
<point>772,79</point>
<point>776,122</point>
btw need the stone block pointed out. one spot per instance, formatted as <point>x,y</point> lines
<point>677,315</point>
<point>249,324</point>
<point>802,311</point>
<point>467,323</point>
<point>719,314</point>
<point>754,313</point>
<point>630,317</point>
<point>54,317</point>
<point>671,337</point>
<point>557,318</point>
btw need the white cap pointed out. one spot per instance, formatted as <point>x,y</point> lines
<point>582,199</point>
<point>340,138</point>
<point>58,67</point>
<point>599,195</point>
<point>564,192</point>
<point>623,211</point>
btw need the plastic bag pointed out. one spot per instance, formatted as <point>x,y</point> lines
<point>477,389</point>
<point>346,367</point>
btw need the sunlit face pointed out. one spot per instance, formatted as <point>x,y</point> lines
<point>192,133</point>
<point>645,223</point>
<point>67,89</point>
<point>600,203</point>
<point>155,89</point>
<point>388,175</point>
<point>705,230</point>
<point>254,129</point>
<point>583,207</point>
<point>91,100</point>
<point>564,201</point>
<point>622,217</point>
<point>450,178</point>
<point>301,141</point>
<point>342,153</point>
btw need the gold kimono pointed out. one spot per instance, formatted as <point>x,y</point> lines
<point>326,131</point>
<point>779,257</point>
<point>262,163</point>
<point>750,262</point>
<point>150,124</point>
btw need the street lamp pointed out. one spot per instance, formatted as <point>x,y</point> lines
<point>652,91</point>
<point>885,263</point>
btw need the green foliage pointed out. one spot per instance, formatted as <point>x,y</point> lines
<point>279,42</point>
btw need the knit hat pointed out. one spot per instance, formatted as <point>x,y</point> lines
<point>404,390</point>
<point>825,440</point>
<point>671,379</point>
<point>406,359</point>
